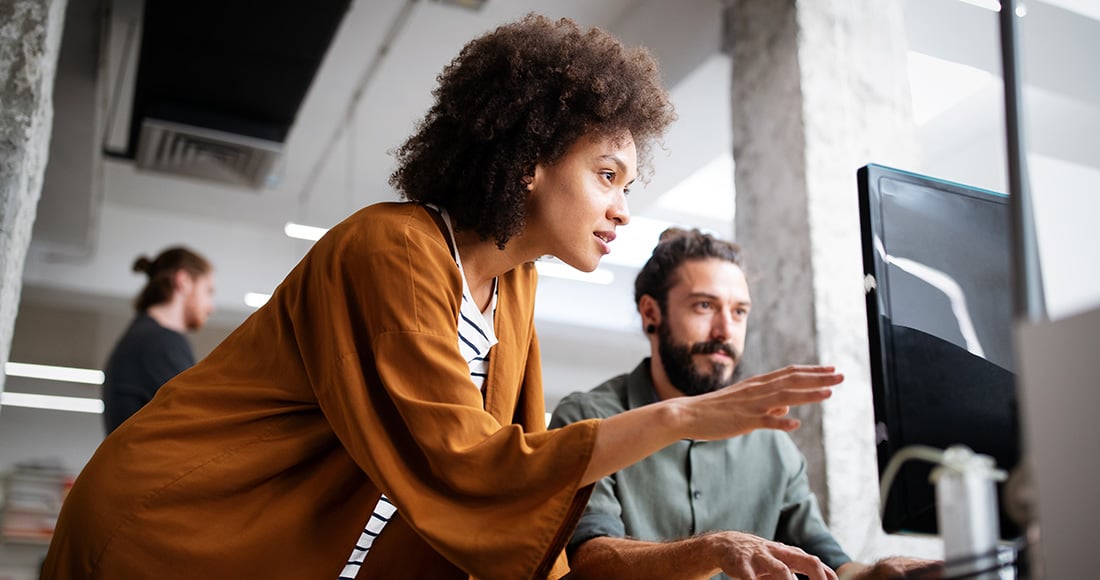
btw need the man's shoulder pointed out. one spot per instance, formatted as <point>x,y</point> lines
<point>145,332</point>
<point>602,402</point>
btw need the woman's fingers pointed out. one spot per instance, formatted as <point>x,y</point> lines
<point>763,402</point>
<point>796,369</point>
<point>779,423</point>
<point>795,398</point>
<point>791,381</point>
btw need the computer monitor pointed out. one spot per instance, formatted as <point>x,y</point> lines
<point>937,268</point>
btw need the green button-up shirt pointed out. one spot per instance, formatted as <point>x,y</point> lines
<point>755,483</point>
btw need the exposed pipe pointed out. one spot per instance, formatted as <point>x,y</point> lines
<point>369,72</point>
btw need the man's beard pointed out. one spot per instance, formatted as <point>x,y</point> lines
<point>192,320</point>
<point>680,368</point>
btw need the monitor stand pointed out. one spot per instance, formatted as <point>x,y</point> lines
<point>966,508</point>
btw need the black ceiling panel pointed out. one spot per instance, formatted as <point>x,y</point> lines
<point>239,66</point>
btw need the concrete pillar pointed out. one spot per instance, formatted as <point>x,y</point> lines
<point>30,34</point>
<point>819,88</point>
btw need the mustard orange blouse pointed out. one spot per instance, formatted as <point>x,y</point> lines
<point>265,459</point>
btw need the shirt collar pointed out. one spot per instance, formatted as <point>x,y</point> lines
<point>639,387</point>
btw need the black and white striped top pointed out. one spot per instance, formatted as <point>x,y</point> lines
<point>475,339</point>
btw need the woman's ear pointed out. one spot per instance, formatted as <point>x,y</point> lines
<point>531,181</point>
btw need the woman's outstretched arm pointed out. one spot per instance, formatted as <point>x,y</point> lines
<point>760,402</point>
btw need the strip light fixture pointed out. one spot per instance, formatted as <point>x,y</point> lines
<point>54,373</point>
<point>303,232</point>
<point>256,299</point>
<point>51,402</point>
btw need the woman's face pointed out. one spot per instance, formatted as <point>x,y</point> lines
<point>576,203</point>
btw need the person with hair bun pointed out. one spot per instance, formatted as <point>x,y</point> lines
<point>177,298</point>
<point>382,415</point>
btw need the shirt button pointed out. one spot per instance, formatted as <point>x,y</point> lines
<point>696,494</point>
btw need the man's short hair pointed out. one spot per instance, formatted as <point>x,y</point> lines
<point>676,246</point>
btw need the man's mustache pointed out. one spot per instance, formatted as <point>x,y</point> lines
<point>713,346</point>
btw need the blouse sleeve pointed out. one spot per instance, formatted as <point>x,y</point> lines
<point>375,318</point>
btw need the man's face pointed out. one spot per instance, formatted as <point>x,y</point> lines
<point>702,331</point>
<point>199,301</point>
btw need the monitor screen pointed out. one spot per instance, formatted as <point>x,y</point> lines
<point>937,262</point>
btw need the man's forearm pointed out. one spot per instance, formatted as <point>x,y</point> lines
<point>738,554</point>
<point>601,558</point>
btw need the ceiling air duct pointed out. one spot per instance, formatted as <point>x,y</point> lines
<point>181,149</point>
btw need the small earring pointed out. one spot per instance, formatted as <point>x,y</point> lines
<point>650,329</point>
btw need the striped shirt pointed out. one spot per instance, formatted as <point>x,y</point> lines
<point>475,339</point>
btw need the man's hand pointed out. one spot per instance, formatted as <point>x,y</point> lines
<point>893,568</point>
<point>747,556</point>
<point>740,555</point>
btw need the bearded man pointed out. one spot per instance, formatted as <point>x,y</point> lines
<point>736,508</point>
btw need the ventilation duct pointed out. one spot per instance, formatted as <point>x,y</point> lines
<point>181,149</point>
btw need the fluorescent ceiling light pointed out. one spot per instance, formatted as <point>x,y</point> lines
<point>562,270</point>
<point>54,373</point>
<point>255,299</point>
<point>51,402</point>
<point>311,233</point>
<point>938,85</point>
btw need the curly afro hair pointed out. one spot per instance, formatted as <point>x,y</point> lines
<point>519,96</point>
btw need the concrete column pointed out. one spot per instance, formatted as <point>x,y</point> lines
<point>30,34</point>
<point>819,88</point>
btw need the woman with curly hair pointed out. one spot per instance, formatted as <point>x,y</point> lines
<point>393,379</point>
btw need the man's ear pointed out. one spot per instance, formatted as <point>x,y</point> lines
<point>182,281</point>
<point>650,312</point>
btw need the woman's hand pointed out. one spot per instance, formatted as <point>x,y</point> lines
<point>761,402</point>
